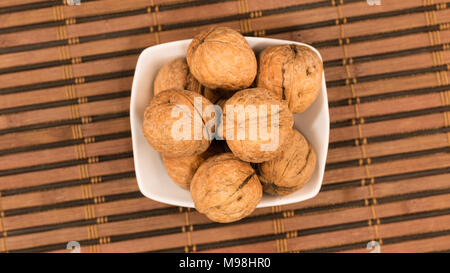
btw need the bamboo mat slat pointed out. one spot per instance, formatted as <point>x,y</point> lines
<point>66,168</point>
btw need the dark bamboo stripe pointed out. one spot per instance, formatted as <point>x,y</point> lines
<point>376,139</point>
<point>73,203</point>
<point>59,83</point>
<point>34,6</point>
<point>60,103</point>
<point>92,78</point>
<point>386,55</point>
<point>317,44</point>
<point>331,63</point>
<point>251,240</point>
<point>144,30</point>
<point>164,27</point>
<point>77,121</point>
<point>332,145</point>
<point>127,73</point>
<point>350,204</point>
<point>384,179</point>
<point>27,67</point>
<point>65,143</point>
<point>399,115</point>
<point>389,95</point>
<point>376,36</point>
<point>382,76</point>
<point>385,158</point>
<point>83,59</point>
<point>250,15</point>
<point>110,219</point>
<point>68,183</point>
<point>386,241</point>
<point>106,16</point>
<point>441,251</point>
<point>30,6</point>
<point>352,19</point>
<point>65,164</point>
<point>125,134</point>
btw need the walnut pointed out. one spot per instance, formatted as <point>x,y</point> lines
<point>221,58</point>
<point>182,169</point>
<point>252,133</point>
<point>293,72</point>
<point>290,171</point>
<point>171,121</point>
<point>176,75</point>
<point>225,188</point>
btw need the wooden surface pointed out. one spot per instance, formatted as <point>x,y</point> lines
<point>66,167</point>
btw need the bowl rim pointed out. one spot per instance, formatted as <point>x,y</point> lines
<point>279,201</point>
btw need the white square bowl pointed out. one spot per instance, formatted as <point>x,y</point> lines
<point>151,175</point>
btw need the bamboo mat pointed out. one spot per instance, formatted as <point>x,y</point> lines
<point>66,167</point>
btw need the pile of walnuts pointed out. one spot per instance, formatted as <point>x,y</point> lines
<point>228,161</point>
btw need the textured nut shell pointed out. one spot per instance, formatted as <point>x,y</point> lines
<point>172,75</point>
<point>221,58</point>
<point>225,188</point>
<point>176,75</point>
<point>293,72</point>
<point>158,123</point>
<point>182,169</point>
<point>290,171</point>
<point>251,150</point>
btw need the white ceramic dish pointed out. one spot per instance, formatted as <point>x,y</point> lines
<point>152,178</point>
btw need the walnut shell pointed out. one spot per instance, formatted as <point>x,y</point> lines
<point>176,75</point>
<point>182,169</point>
<point>164,117</point>
<point>225,188</point>
<point>244,137</point>
<point>293,72</point>
<point>221,58</point>
<point>290,171</point>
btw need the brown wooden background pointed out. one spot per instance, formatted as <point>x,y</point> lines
<point>66,168</point>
